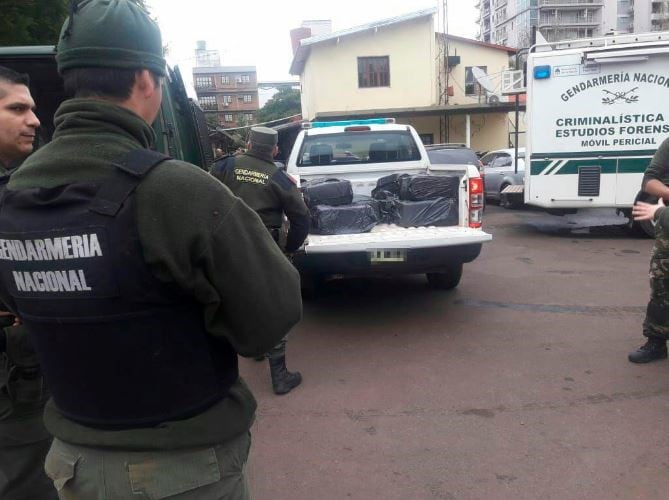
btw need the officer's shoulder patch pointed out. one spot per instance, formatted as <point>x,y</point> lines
<point>283,180</point>
<point>222,163</point>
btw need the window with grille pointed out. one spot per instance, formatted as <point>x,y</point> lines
<point>373,72</point>
<point>248,98</point>
<point>227,99</point>
<point>203,82</point>
<point>225,80</point>
<point>208,102</point>
<point>249,116</point>
<point>243,79</point>
<point>228,117</point>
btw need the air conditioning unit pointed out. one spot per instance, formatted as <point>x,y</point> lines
<point>496,98</point>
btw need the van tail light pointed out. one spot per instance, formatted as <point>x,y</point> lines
<point>475,202</point>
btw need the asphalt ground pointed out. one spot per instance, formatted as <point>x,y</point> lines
<point>514,385</point>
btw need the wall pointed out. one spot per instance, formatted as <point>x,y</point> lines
<point>473,55</point>
<point>330,77</point>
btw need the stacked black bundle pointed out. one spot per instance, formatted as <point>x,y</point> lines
<point>388,186</point>
<point>428,187</point>
<point>436,212</point>
<point>418,200</point>
<point>358,217</point>
<point>333,210</point>
<point>333,192</point>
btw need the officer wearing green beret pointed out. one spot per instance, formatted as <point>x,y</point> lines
<point>24,441</point>
<point>140,279</point>
<point>255,178</point>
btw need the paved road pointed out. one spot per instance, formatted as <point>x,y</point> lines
<point>515,385</point>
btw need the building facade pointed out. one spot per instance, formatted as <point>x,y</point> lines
<point>227,94</point>
<point>401,68</point>
<point>510,22</point>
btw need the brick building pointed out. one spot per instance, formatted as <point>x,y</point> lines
<point>230,93</point>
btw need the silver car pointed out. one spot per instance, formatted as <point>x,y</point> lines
<point>499,171</point>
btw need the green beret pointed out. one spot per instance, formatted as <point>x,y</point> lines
<point>110,34</point>
<point>263,136</point>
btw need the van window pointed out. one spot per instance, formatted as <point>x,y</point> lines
<point>358,147</point>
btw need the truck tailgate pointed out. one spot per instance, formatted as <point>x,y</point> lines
<point>390,236</point>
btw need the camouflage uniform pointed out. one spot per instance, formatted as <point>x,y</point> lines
<point>656,322</point>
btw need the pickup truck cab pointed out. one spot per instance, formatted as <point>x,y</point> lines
<point>363,151</point>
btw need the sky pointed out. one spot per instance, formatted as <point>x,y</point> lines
<point>257,32</point>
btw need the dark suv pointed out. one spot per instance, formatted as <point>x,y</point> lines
<point>452,154</point>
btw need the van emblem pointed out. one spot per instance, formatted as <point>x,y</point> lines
<point>614,97</point>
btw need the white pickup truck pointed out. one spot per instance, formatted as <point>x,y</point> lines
<point>350,150</point>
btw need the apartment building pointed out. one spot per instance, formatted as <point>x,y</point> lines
<point>227,94</point>
<point>510,22</point>
<point>637,16</point>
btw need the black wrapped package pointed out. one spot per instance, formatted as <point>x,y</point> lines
<point>333,192</point>
<point>437,212</point>
<point>344,219</point>
<point>428,187</point>
<point>387,186</point>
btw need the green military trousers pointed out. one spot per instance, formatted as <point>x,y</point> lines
<point>84,473</point>
<point>24,441</point>
<point>22,472</point>
<point>656,322</point>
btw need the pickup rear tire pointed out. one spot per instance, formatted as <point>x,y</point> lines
<point>446,279</point>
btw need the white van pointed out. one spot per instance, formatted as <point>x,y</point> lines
<point>596,114</point>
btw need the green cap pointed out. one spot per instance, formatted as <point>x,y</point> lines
<point>263,136</point>
<point>110,34</point>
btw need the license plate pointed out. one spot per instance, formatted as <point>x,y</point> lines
<point>387,255</point>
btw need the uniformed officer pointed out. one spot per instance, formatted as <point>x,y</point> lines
<point>24,441</point>
<point>140,279</point>
<point>255,178</point>
<point>656,322</point>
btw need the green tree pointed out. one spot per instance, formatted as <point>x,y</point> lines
<point>34,22</point>
<point>31,22</point>
<point>243,131</point>
<point>286,102</point>
<point>212,120</point>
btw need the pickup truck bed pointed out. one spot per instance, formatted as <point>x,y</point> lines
<point>395,237</point>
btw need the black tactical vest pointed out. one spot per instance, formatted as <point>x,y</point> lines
<point>119,348</point>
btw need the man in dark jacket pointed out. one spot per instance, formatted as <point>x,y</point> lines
<point>140,279</point>
<point>24,441</point>
<point>656,322</point>
<point>255,178</point>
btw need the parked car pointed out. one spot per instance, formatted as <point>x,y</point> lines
<point>499,172</point>
<point>452,154</point>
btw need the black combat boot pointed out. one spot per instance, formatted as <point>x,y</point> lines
<point>283,381</point>
<point>652,350</point>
